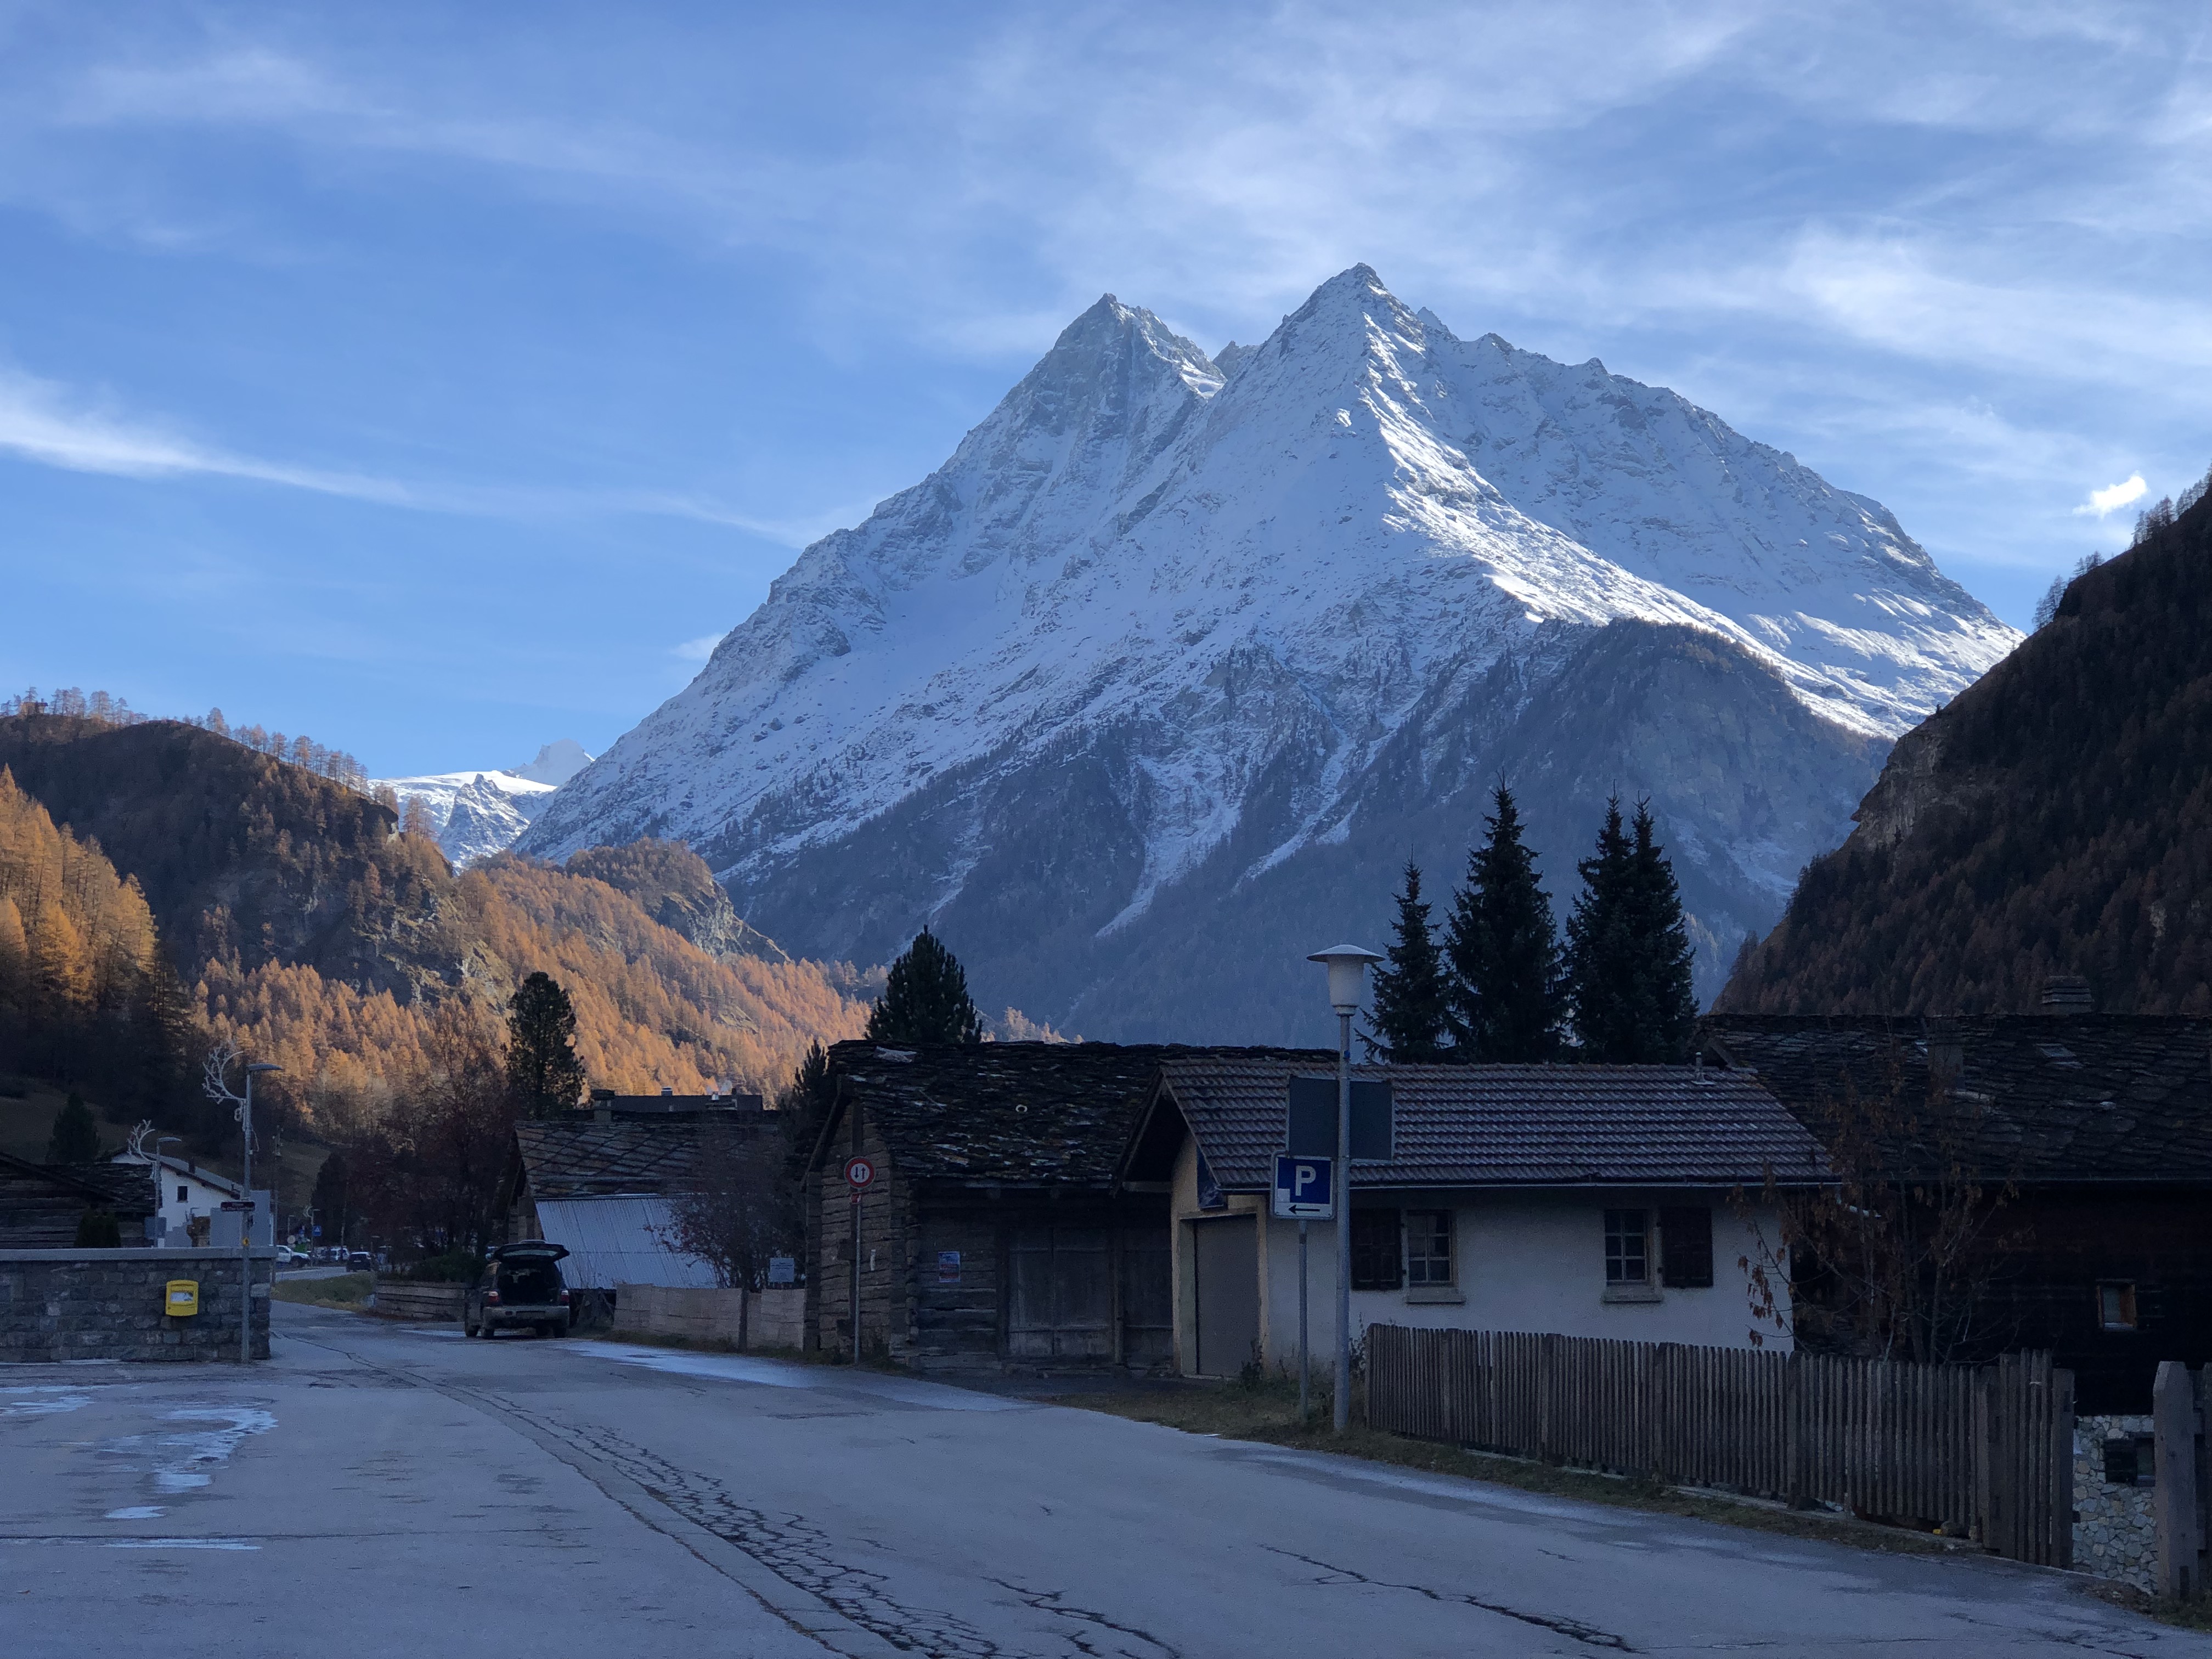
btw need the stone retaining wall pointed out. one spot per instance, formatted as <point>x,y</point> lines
<point>109,1305</point>
<point>2113,1535</point>
<point>408,1299</point>
<point>779,1316</point>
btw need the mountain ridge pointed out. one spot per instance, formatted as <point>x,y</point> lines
<point>1230,595</point>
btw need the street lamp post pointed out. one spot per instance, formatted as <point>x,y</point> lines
<point>245,1216</point>
<point>1348,985</point>
<point>161,1182</point>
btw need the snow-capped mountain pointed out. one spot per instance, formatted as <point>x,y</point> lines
<point>1159,678</point>
<point>475,814</point>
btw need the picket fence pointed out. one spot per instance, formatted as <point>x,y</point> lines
<point>1984,1451</point>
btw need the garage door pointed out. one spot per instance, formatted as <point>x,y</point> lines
<point>1227,1254</point>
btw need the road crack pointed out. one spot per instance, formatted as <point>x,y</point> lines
<point>1589,1635</point>
<point>1050,1602</point>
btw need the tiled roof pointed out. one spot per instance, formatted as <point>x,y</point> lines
<point>2049,1097</point>
<point>597,1160</point>
<point>1507,1125</point>
<point>1021,1112</point>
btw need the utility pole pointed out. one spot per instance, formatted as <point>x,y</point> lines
<point>1347,984</point>
<point>214,1083</point>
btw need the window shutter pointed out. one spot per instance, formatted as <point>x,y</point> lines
<point>1377,1263</point>
<point>1686,1247</point>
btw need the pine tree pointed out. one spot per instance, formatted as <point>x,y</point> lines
<point>1411,1010</point>
<point>1505,951</point>
<point>76,1138</point>
<point>1667,1006</point>
<point>925,999</point>
<point>542,1070</point>
<point>1602,969</point>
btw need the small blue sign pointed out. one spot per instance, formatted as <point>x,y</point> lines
<point>1303,1188</point>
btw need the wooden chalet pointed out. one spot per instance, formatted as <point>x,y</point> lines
<point>994,1234</point>
<point>2098,1128</point>
<point>40,1204</point>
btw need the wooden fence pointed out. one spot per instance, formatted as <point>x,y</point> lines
<point>1980,1450</point>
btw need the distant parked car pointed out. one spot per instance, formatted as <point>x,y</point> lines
<point>521,1286</point>
<point>359,1261</point>
<point>288,1257</point>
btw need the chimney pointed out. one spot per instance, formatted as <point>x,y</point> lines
<point>2066,994</point>
<point>666,1089</point>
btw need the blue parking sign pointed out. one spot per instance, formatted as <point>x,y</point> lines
<point>1303,1188</point>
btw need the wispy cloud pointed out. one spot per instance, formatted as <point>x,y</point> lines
<point>43,420</point>
<point>2113,497</point>
<point>696,650</point>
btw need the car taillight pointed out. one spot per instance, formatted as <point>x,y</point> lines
<point>491,1298</point>
<point>564,1299</point>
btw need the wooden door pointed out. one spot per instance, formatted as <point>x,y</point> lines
<point>1059,1293</point>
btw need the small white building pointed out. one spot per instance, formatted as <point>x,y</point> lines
<point>189,1192</point>
<point>1588,1200</point>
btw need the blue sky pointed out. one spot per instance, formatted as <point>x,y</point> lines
<point>437,380</point>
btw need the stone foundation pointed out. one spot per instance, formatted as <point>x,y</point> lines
<point>2113,1536</point>
<point>109,1305</point>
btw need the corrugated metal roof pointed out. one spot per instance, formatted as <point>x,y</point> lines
<point>2043,1097</point>
<point>1510,1125</point>
<point>617,1241</point>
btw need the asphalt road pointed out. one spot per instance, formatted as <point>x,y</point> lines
<point>377,1489</point>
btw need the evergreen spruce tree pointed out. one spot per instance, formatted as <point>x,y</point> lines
<point>543,1072</point>
<point>1411,1011</point>
<point>1505,951</point>
<point>925,999</point>
<point>76,1138</point>
<point>1667,1005</point>
<point>1603,972</point>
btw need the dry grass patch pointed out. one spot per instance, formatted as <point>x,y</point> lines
<point>347,1290</point>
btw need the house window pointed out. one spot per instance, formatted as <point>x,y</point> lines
<point>1428,1248</point>
<point>2116,1307</point>
<point>183,1194</point>
<point>1375,1250</point>
<point>1686,1247</point>
<point>1627,1247</point>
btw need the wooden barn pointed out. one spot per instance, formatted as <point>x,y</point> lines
<point>994,1235</point>
<point>2097,1128</point>
<point>40,1204</point>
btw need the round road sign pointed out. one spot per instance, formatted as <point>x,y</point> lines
<point>858,1173</point>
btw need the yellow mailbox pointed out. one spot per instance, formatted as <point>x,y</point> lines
<point>183,1299</point>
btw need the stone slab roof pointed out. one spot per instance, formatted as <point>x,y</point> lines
<point>1021,1114</point>
<point>599,1160</point>
<point>1510,1125</point>
<point>2044,1098</point>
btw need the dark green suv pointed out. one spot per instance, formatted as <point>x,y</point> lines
<point>521,1286</point>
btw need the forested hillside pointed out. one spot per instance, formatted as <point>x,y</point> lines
<point>297,918</point>
<point>2055,818</point>
<point>85,994</point>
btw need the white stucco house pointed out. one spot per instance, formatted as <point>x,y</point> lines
<point>189,1192</point>
<point>1589,1201</point>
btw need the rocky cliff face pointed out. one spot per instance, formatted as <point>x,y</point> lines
<point>1160,678</point>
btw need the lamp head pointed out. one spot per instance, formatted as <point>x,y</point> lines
<point>264,1065</point>
<point>1347,974</point>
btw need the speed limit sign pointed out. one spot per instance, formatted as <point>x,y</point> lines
<point>859,1174</point>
